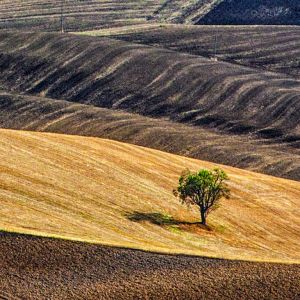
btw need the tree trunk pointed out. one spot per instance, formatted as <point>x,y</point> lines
<point>203,216</point>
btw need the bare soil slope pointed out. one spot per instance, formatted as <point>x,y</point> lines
<point>112,74</point>
<point>117,194</point>
<point>230,12</point>
<point>94,14</point>
<point>57,269</point>
<point>268,12</point>
<point>273,48</point>
<point>279,158</point>
<point>183,11</point>
<point>78,15</point>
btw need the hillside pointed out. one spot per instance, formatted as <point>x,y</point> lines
<point>273,48</point>
<point>57,269</point>
<point>103,105</point>
<point>121,195</point>
<point>41,114</point>
<point>184,88</point>
<point>229,12</point>
<point>94,14</point>
<point>183,11</point>
<point>78,15</point>
<point>268,12</point>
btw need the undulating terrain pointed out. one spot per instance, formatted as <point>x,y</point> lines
<point>190,89</point>
<point>102,72</point>
<point>97,123</point>
<point>61,185</point>
<point>44,114</point>
<point>183,11</point>
<point>273,48</point>
<point>229,12</point>
<point>56,269</point>
<point>268,12</point>
<point>77,14</point>
<point>92,14</point>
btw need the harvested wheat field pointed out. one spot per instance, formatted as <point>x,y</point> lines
<point>57,269</point>
<point>117,194</point>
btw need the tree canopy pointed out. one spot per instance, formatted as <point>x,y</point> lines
<point>203,188</point>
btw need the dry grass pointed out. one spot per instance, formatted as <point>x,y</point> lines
<point>87,188</point>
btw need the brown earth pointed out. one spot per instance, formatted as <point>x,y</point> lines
<point>43,15</point>
<point>184,88</point>
<point>174,88</point>
<point>81,15</point>
<point>43,268</point>
<point>277,158</point>
<point>268,12</point>
<point>273,48</point>
<point>183,11</point>
<point>229,12</point>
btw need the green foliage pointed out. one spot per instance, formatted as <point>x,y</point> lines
<point>203,188</point>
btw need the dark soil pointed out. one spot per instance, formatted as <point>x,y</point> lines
<point>43,268</point>
<point>44,15</point>
<point>233,12</point>
<point>275,157</point>
<point>252,112</point>
<point>273,48</point>
<point>154,82</point>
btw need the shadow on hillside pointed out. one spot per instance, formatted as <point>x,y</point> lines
<point>159,219</point>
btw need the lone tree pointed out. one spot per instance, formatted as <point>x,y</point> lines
<point>204,189</point>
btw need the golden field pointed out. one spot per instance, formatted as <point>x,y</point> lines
<point>90,189</point>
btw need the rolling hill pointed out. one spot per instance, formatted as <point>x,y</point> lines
<point>78,15</point>
<point>223,102</point>
<point>94,14</point>
<point>102,191</point>
<point>42,114</point>
<point>229,12</point>
<point>91,128</point>
<point>268,12</point>
<point>184,88</point>
<point>272,48</point>
<point>183,11</point>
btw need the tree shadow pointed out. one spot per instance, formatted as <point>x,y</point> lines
<point>160,219</point>
<point>154,218</point>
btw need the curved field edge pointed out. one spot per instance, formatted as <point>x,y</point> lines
<point>78,15</point>
<point>119,194</point>
<point>60,269</point>
<point>184,88</point>
<point>49,115</point>
<point>273,48</point>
